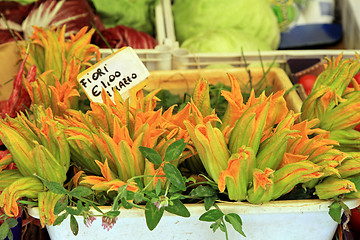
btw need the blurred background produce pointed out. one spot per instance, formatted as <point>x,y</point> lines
<point>225,26</point>
<point>121,22</point>
<point>231,26</point>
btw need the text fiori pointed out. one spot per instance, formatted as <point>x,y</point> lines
<point>107,81</point>
<point>120,71</point>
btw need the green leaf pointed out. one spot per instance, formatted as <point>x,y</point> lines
<point>235,220</point>
<point>222,227</point>
<point>80,191</point>
<point>55,187</point>
<point>215,225</point>
<point>28,203</point>
<point>174,189</point>
<point>112,214</point>
<point>168,99</point>
<point>153,215</point>
<point>178,208</point>
<point>345,207</point>
<point>10,235</point>
<point>73,211</point>
<point>74,225</point>
<point>116,204</point>
<point>203,191</point>
<point>61,205</point>
<point>158,188</point>
<point>101,199</point>
<point>211,215</point>
<point>61,218</point>
<point>173,174</point>
<point>356,180</point>
<point>209,202</point>
<point>122,193</point>
<point>335,211</point>
<point>4,229</point>
<point>139,197</point>
<point>177,196</point>
<point>12,222</point>
<point>152,155</point>
<point>125,203</point>
<point>191,179</point>
<point>175,150</point>
<point>79,206</point>
<point>130,195</point>
<point>96,207</point>
<point>139,183</point>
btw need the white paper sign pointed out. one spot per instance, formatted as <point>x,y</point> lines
<point>121,70</point>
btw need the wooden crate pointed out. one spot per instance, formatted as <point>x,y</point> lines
<point>181,81</point>
<point>9,66</point>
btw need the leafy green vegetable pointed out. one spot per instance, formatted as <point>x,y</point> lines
<point>168,99</point>
<point>217,101</point>
<point>255,19</point>
<point>138,14</point>
<point>224,40</point>
<point>24,2</point>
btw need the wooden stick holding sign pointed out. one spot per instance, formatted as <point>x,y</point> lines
<point>122,70</point>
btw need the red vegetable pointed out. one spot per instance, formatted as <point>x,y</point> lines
<point>74,13</point>
<point>6,36</point>
<point>19,99</point>
<point>122,36</point>
<point>357,79</point>
<point>14,11</point>
<point>355,220</point>
<point>307,81</point>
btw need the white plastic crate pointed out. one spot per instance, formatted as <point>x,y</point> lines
<point>163,17</point>
<point>183,59</point>
<point>160,57</point>
<point>351,23</point>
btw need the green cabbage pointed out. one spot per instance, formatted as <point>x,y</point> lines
<point>224,40</point>
<point>254,17</point>
<point>25,2</point>
<point>138,14</point>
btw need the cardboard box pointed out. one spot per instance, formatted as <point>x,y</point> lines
<point>9,66</point>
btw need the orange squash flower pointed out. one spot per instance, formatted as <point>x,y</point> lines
<point>237,176</point>
<point>263,186</point>
<point>108,181</point>
<point>334,186</point>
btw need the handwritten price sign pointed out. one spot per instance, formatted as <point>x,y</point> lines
<point>120,71</point>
